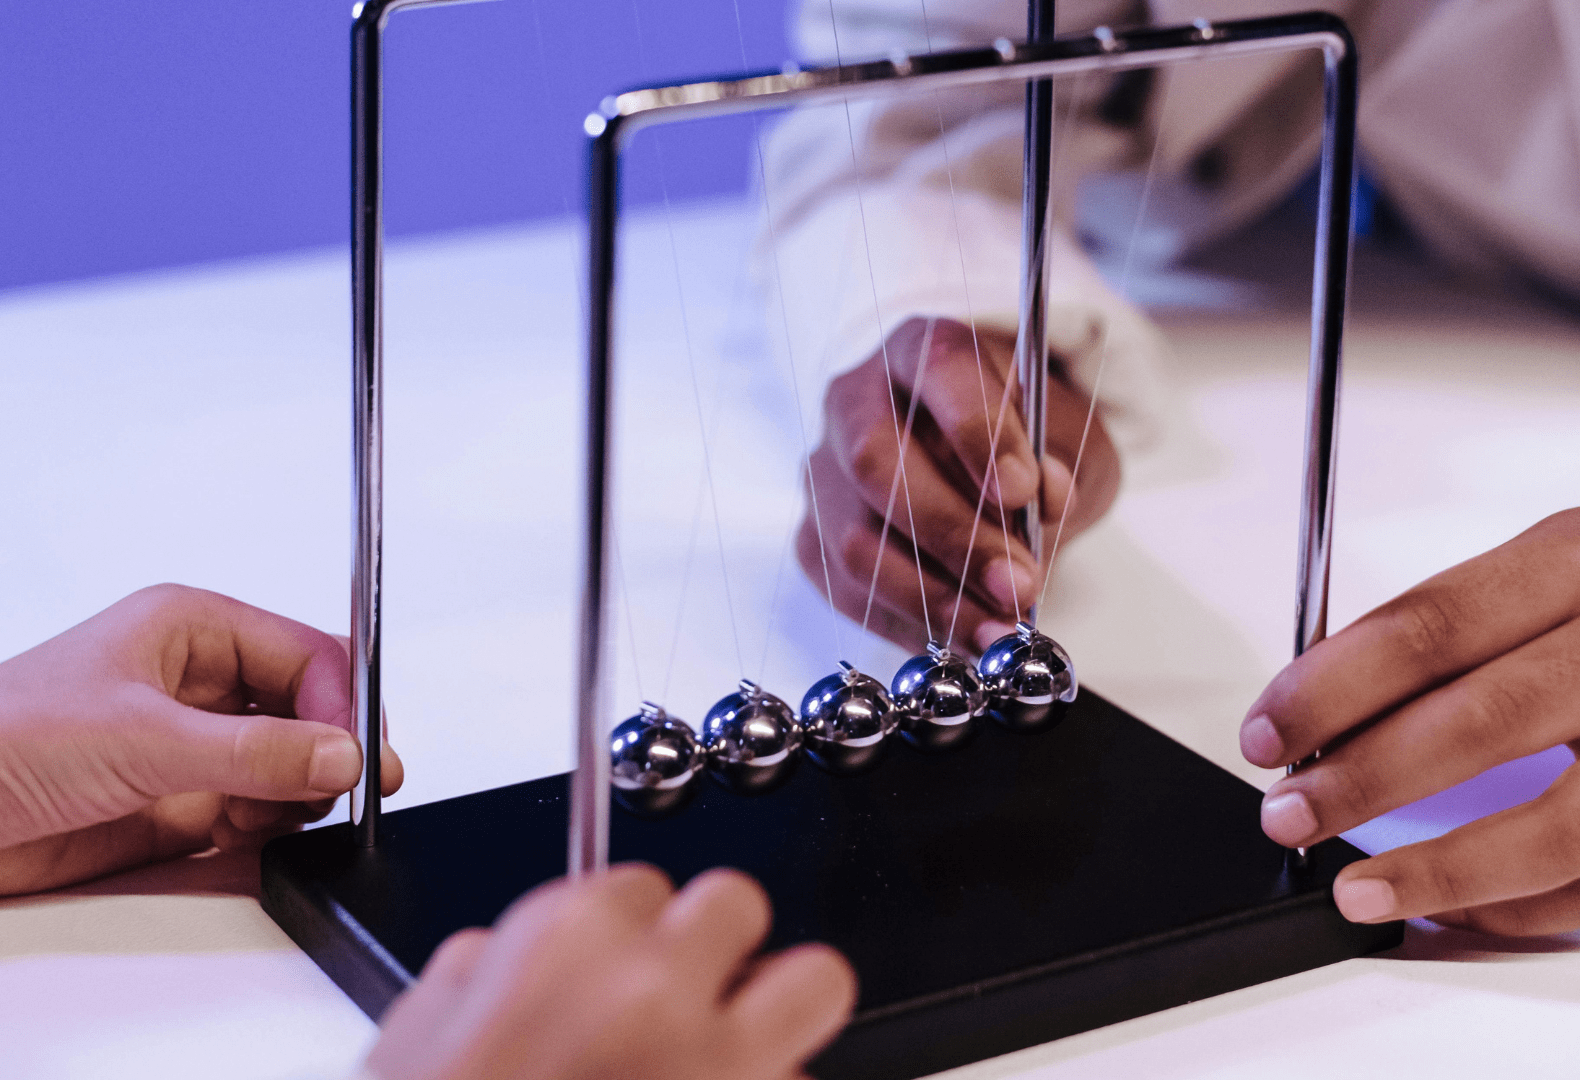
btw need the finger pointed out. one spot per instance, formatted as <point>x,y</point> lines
<point>1514,706</point>
<point>175,826</point>
<point>1442,628</point>
<point>453,962</point>
<point>175,748</point>
<point>793,1004</point>
<point>896,611</point>
<point>249,815</point>
<point>1523,851</point>
<point>570,919</point>
<point>1554,912</point>
<point>253,815</point>
<point>950,529</point>
<point>959,377</point>
<point>221,655</point>
<point>1081,469</point>
<point>392,770</point>
<point>713,926</point>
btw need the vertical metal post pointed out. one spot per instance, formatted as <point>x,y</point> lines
<point>589,829</point>
<point>367,408</point>
<point>1031,345</point>
<point>1329,299</point>
<point>367,398</point>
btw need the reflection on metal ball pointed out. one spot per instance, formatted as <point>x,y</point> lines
<point>655,761</point>
<point>937,695</point>
<point>1029,678</point>
<point>847,717</point>
<point>752,739</point>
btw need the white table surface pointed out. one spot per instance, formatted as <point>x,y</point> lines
<point>193,425</point>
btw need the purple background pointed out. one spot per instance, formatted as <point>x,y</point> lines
<point>163,132</point>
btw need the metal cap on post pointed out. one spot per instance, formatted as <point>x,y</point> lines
<point>367,397</point>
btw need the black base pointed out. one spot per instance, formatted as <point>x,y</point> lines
<point>1025,887</point>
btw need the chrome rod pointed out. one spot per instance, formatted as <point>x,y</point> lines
<point>1329,301</point>
<point>368,20</point>
<point>622,115</point>
<point>1031,339</point>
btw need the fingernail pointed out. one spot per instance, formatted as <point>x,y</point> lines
<point>1364,899</point>
<point>1009,583</point>
<point>1288,818</point>
<point>989,632</point>
<point>336,765</point>
<point>1260,742</point>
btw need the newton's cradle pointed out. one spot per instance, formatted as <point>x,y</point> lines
<point>1032,863</point>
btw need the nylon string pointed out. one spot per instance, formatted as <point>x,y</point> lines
<point>691,360</point>
<point>1124,287</point>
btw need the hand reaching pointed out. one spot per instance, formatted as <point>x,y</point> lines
<point>615,975</point>
<point>174,720</point>
<point>1474,667</point>
<point>951,456</point>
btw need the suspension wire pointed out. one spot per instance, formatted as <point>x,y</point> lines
<point>1124,287</point>
<point>795,381</point>
<point>685,581</point>
<point>581,303</point>
<point>910,420</point>
<point>990,475</point>
<point>902,440</point>
<point>630,618</point>
<point>691,357</point>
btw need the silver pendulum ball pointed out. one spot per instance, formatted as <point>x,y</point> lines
<point>655,761</point>
<point>937,696</point>
<point>847,716</point>
<point>1029,678</point>
<point>752,740</point>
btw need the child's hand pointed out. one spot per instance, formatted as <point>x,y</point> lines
<point>615,975</point>
<point>1474,667</point>
<point>950,459</point>
<point>154,729</point>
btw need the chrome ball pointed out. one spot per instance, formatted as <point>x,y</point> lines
<point>937,696</point>
<point>655,761</point>
<point>847,717</point>
<point>752,739</point>
<point>1029,678</point>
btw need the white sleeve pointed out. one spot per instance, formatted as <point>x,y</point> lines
<point>911,207</point>
<point>1473,127</point>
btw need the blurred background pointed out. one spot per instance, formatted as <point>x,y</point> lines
<point>169,132</point>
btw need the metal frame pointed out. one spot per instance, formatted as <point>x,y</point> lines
<point>368,20</point>
<point>622,115</point>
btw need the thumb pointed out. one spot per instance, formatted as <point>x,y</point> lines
<point>258,757</point>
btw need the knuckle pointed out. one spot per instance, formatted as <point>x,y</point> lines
<point>853,549</point>
<point>1558,841</point>
<point>1493,711</point>
<point>1447,885</point>
<point>1351,790</point>
<point>1427,626</point>
<point>870,453</point>
<point>846,390</point>
<point>1505,920</point>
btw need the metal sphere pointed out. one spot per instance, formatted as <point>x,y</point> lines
<point>752,739</point>
<point>937,695</point>
<point>847,717</point>
<point>1029,678</point>
<point>655,761</point>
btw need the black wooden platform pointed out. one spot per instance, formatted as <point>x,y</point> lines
<point>1021,888</point>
